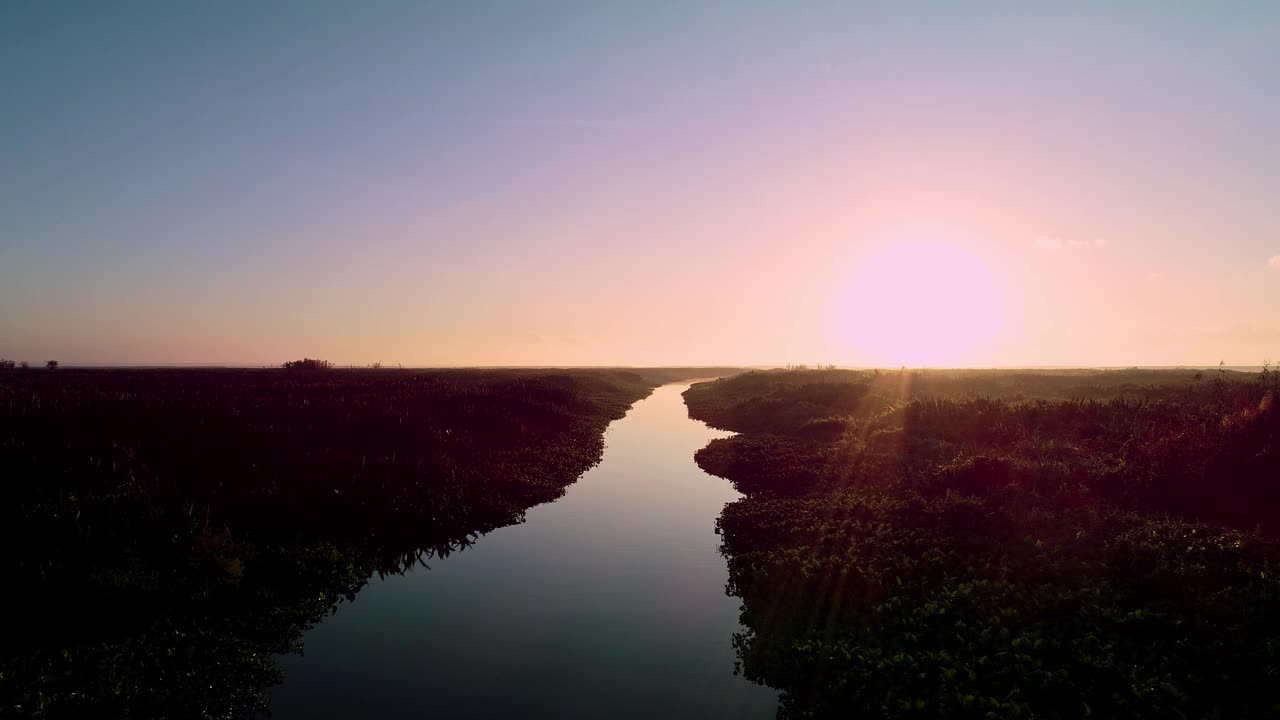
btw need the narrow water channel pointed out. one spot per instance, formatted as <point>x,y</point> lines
<point>609,602</point>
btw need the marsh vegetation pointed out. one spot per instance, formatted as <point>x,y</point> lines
<point>170,531</point>
<point>911,544</point>
<point>1004,544</point>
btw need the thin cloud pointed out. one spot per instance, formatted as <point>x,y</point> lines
<point>1274,262</point>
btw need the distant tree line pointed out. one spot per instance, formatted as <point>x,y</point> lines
<point>312,364</point>
<point>23,365</point>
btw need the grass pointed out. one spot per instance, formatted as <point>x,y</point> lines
<point>1004,544</point>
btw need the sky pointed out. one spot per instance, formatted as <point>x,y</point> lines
<point>638,183</point>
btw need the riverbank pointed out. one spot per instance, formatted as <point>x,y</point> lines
<point>970,545</point>
<point>172,530</point>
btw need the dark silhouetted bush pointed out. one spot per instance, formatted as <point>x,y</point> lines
<point>307,364</point>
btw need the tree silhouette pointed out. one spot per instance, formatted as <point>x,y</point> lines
<point>307,364</point>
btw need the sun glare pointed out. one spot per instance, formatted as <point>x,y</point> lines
<point>923,304</point>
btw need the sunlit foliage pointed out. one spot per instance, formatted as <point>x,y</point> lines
<point>974,545</point>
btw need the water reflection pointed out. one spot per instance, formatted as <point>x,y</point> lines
<point>607,603</point>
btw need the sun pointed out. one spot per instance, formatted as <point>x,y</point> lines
<point>923,304</point>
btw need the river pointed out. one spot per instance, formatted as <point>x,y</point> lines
<point>609,602</point>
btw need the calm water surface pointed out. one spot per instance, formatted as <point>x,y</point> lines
<point>608,602</point>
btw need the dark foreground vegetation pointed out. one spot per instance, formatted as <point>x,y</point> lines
<point>1004,544</point>
<point>168,531</point>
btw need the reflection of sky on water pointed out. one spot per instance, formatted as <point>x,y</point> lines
<point>607,603</point>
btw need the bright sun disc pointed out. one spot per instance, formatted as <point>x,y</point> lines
<point>922,304</point>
